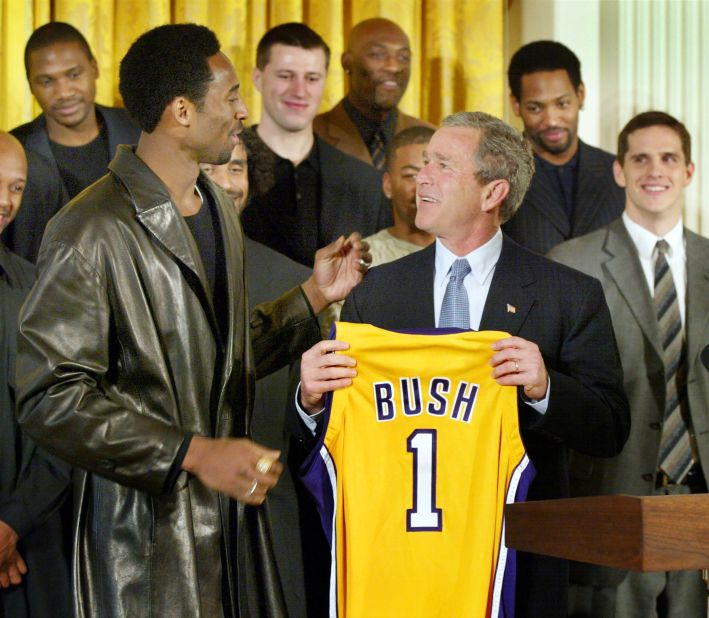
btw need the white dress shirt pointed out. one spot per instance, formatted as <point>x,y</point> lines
<point>645,242</point>
<point>477,284</point>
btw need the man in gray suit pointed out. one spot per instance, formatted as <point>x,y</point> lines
<point>572,192</point>
<point>631,257</point>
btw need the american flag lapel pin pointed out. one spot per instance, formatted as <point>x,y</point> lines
<point>511,308</point>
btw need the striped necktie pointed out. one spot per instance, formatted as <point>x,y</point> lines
<point>377,150</point>
<point>455,310</point>
<point>675,448</point>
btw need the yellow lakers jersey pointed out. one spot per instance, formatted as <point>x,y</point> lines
<point>414,467</point>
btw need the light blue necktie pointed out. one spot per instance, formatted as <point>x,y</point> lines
<point>455,311</point>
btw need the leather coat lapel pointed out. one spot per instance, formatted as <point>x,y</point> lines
<point>512,293</point>
<point>623,267</point>
<point>155,210</point>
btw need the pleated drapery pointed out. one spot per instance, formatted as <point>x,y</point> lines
<point>458,45</point>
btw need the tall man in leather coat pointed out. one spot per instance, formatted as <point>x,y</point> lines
<point>135,360</point>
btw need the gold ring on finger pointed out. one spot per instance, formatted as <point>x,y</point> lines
<point>263,465</point>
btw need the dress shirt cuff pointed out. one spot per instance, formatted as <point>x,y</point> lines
<point>539,405</point>
<point>310,420</point>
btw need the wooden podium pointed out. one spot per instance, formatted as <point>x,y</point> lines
<point>648,533</point>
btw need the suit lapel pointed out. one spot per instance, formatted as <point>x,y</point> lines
<point>412,295</point>
<point>344,133</point>
<point>511,294</point>
<point>543,197</point>
<point>697,294</point>
<point>591,195</point>
<point>623,267</point>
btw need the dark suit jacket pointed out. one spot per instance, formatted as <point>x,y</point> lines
<point>270,274</point>
<point>32,484</point>
<point>45,192</point>
<point>610,255</point>
<point>564,313</point>
<point>336,128</point>
<point>541,222</point>
<point>351,200</point>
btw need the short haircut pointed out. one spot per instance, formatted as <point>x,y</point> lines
<point>52,33</point>
<point>413,135</point>
<point>293,34</point>
<point>654,119</point>
<point>503,154</point>
<point>542,56</point>
<point>166,62</point>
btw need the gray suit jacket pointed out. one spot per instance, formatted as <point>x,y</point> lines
<point>541,222</point>
<point>610,255</point>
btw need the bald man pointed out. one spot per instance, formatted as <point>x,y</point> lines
<point>377,62</point>
<point>33,569</point>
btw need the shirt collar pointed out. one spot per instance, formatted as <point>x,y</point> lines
<point>645,241</point>
<point>550,167</point>
<point>368,127</point>
<point>313,158</point>
<point>482,260</point>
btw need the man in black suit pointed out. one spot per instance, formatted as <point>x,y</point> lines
<point>73,137</point>
<point>315,192</point>
<point>34,567</point>
<point>573,191</point>
<point>561,354</point>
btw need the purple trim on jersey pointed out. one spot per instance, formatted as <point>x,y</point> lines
<point>509,583</point>
<point>316,478</point>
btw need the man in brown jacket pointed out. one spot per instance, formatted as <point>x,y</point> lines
<point>378,64</point>
<point>135,361</point>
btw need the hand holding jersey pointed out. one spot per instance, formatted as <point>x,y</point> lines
<point>518,362</point>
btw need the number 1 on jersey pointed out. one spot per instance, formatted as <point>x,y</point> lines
<point>424,516</point>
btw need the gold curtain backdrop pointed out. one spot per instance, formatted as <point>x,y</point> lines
<point>457,44</point>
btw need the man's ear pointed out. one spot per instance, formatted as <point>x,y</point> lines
<point>514,104</point>
<point>256,78</point>
<point>581,94</point>
<point>346,61</point>
<point>494,193</point>
<point>181,110</point>
<point>386,184</point>
<point>618,173</point>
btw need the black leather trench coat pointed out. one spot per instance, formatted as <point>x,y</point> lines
<point>118,360</point>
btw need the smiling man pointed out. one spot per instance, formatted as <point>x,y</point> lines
<point>573,191</point>
<point>315,193</point>
<point>655,275</point>
<point>74,136</point>
<point>378,64</point>
<point>476,171</point>
<point>135,360</point>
